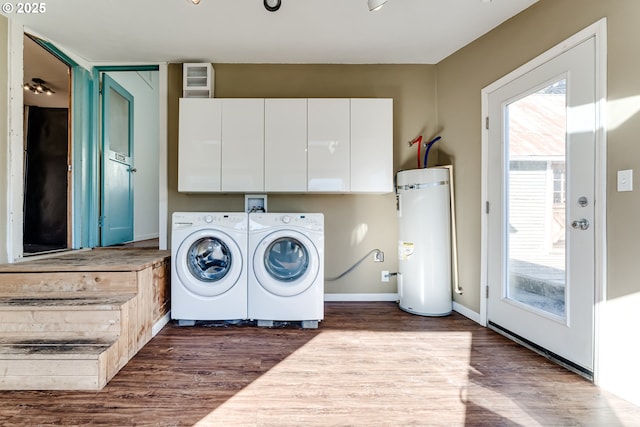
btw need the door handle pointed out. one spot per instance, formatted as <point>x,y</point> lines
<point>580,224</point>
<point>133,170</point>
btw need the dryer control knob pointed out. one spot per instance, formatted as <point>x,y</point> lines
<point>286,219</point>
<point>208,219</point>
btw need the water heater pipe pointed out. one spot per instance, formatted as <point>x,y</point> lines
<point>418,141</point>
<point>426,154</point>
<point>454,238</point>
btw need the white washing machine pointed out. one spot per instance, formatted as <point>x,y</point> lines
<point>208,266</point>
<point>286,268</point>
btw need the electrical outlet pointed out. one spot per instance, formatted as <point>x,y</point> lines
<point>378,256</point>
<point>384,276</point>
<point>625,180</point>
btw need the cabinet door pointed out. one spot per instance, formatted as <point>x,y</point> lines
<point>371,145</point>
<point>243,145</point>
<point>199,150</point>
<point>328,145</point>
<point>285,145</point>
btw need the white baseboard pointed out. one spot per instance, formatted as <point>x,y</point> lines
<point>360,297</point>
<point>157,327</point>
<point>142,237</point>
<point>458,308</point>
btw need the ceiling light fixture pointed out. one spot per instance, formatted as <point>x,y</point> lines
<point>37,86</point>
<point>194,1</point>
<point>376,4</point>
<point>272,5</point>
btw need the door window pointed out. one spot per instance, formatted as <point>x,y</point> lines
<point>209,259</point>
<point>286,259</point>
<point>536,127</point>
<point>119,124</point>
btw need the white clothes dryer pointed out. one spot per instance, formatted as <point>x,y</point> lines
<point>208,266</point>
<point>286,268</point>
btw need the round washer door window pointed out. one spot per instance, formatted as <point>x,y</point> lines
<point>286,263</point>
<point>209,262</point>
<point>286,259</point>
<point>209,259</point>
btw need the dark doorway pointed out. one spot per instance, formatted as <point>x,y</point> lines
<point>45,184</point>
<point>47,151</point>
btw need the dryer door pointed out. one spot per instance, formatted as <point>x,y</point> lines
<point>209,262</point>
<point>286,263</point>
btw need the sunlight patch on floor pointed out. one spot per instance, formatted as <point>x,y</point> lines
<point>397,375</point>
<point>499,404</point>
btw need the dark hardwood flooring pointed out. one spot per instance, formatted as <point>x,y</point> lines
<point>368,364</point>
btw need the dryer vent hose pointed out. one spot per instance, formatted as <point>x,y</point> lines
<point>350,269</point>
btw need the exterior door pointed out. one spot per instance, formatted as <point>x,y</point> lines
<point>541,187</point>
<point>117,164</point>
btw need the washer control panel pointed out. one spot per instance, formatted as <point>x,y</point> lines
<point>235,219</point>
<point>312,221</point>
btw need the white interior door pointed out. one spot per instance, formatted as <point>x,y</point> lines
<point>540,188</point>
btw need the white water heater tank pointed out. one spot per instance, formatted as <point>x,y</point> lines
<point>424,241</point>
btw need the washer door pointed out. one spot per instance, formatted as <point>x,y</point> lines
<point>209,262</point>
<point>286,263</point>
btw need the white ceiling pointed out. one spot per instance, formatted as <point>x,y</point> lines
<point>242,31</point>
<point>38,63</point>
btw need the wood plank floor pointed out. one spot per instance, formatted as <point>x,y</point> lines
<point>368,364</point>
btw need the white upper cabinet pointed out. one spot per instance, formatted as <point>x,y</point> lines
<point>371,145</point>
<point>328,145</point>
<point>319,145</point>
<point>199,145</point>
<point>285,145</point>
<point>242,144</point>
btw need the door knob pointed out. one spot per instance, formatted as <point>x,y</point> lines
<point>133,170</point>
<point>580,224</point>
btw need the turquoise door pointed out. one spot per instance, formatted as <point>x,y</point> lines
<point>117,164</point>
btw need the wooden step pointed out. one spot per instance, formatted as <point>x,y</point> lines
<point>14,283</point>
<point>83,364</point>
<point>94,271</point>
<point>65,341</point>
<point>72,321</point>
<point>64,316</point>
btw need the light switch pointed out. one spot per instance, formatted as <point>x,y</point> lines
<point>625,180</point>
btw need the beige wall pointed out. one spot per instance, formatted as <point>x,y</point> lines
<point>4,133</point>
<point>354,224</point>
<point>460,79</point>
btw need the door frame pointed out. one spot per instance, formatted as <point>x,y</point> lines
<point>599,31</point>
<point>80,129</point>
<point>98,185</point>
